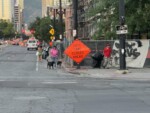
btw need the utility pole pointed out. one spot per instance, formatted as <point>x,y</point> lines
<point>75,22</point>
<point>75,18</point>
<point>122,37</point>
<point>61,20</point>
<point>54,19</point>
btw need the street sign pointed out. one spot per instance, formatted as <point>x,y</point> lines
<point>52,37</point>
<point>121,29</point>
<point>52,31</point>
<point>60,36</point>
<point>77,51</point>
<point>74,33</point>
<point>121,32</point>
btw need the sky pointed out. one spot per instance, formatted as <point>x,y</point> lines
<point>32,9</point>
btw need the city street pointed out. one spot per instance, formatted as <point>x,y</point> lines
<point>27,86</point>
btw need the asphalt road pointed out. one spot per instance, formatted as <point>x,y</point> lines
<point>27,86</point>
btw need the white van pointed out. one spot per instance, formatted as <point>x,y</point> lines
<point>32,44</point>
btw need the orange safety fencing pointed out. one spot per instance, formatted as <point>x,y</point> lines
<point>23,43</point>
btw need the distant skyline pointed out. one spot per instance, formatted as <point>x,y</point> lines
<point>33,9</point>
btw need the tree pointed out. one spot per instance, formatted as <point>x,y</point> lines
<point>42,27</point>
<point>35,25</point>
<point>6,29</point>
<point>107,19</point>
<point>136,14</point>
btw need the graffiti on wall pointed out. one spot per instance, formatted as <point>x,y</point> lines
<point>135,53</point>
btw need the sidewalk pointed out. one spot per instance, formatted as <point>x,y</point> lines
<point>112,73</point>
<point>2,46</point>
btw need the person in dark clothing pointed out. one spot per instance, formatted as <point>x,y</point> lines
<point>97,59</point>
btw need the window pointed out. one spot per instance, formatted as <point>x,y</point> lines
<point>32,41</point>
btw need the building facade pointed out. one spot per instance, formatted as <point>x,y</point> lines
<point>84,24</point>
<point>49,5</point>
<point>12,11</point>
<point>6,10</point>
<point>64,3</point>
<point>20,3</point>
<point>46,7</point>
<point>51,8</point>
<point>69,23</point>
<point>18,15</point>
<point>87,25</point>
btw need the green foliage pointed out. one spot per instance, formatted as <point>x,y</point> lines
<point>137,16</point>
<point>107,11</point>
<point>42,28</point>
<point>6,29</point>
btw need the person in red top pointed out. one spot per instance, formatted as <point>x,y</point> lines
<point>107,54</point>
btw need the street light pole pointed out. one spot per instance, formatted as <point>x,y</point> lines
<point>61,20</point>
<point>122,37</point>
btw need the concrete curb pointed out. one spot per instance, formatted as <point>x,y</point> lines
<point>112,74</point>
<point>69,69</point>
<point>122,71</point>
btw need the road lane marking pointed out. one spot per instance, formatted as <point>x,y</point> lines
<point>29,98</point>
<point>37,65</point>
<point>59,82</point>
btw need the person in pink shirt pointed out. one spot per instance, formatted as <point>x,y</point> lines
<point>107,55</point>
<point>54,54</point>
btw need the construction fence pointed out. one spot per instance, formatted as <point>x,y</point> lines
<point>137,52</point>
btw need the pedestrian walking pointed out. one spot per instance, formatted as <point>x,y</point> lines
<point>39,53</point>
<point>107,55</point>
<point>54,54</point>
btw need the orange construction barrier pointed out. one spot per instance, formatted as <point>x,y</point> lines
<point>51,43</point>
